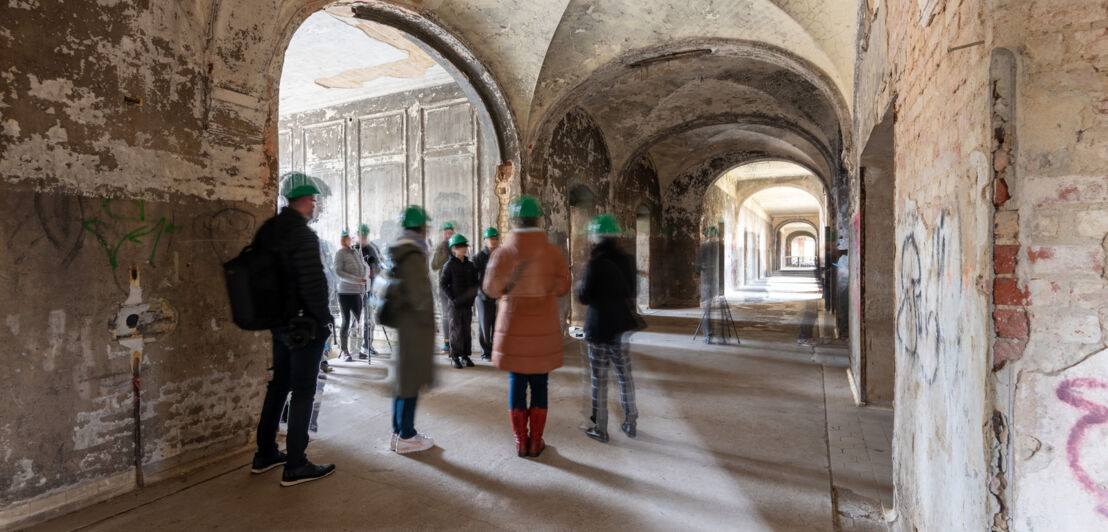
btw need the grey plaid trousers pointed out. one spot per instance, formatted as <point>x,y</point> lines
<point>600,355</point>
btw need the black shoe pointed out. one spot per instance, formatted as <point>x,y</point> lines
<point>468,361</point>
<point>322,375</point>
<point>305,473</point>
<point>597,435</point>
<point>628,428</point>
<point>486,357</point>
<point>363,356</point>
<point>325,367</point>
<point>457,363</point>
<point>372,351</point>
<point>265,463</point>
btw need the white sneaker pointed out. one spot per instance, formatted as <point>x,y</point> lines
<point>416,443</point>
<point>392,441</point>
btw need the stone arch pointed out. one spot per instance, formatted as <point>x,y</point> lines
<point>447,48</point>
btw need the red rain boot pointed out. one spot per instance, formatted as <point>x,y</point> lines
<point>535,445</point>
<point>519,429</point>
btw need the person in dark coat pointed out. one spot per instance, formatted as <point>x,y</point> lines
<point>608,288</point>
<point>486,306</point>
<point>372,259</point>
<point>298,346</point>
<point>459,282</point>
<point>409,292</point>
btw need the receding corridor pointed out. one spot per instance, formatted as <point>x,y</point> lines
<point>730,438</point>
<point>895,211</point>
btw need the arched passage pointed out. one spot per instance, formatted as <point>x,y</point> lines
<point>384,119</point>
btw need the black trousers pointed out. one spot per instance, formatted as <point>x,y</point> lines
<point>486,322</point>
<point>295,370</point>
<point>351,305</point>
<point>461,340</point>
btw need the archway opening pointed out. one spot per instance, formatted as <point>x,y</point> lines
<point>381,121</point>
<point>800,249</point>
<point>761,206</point>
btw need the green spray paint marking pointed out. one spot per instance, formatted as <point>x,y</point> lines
<point>135,235</point>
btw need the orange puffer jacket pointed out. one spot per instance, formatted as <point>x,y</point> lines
<point>528,337</point>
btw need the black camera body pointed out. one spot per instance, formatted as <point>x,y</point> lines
<point>301,331</point>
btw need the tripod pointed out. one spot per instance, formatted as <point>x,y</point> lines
<point>728,328</point>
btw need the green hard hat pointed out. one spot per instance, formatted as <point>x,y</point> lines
<point>525,206</point>
<point>711,231</point>
<point>458,240</point>
<point>296,184</point>
<point>413,216</point>
<point>490,232</point>
<point>446,225</point>
<point>363,229</point>
<point>605,225</point>
<point>345,233</point>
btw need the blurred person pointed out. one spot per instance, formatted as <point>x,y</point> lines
<point>409,295</point>
<point>353,277</point>
<point>439,256</point>
<point>372,258</point>
<point>608,288</point>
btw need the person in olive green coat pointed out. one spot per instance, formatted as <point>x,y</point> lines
<point>414,304</point>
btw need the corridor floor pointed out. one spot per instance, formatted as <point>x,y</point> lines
<point>730,438</point>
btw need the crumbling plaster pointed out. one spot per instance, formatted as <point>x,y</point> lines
<point>1031,467</point>
<point>592,36</point>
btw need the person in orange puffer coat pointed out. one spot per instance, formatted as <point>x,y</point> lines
<point>528,274</point>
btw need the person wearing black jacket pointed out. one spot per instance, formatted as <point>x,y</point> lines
<point>372,259</point>
<point>486,306</point>
<point>608,288</point>
<point>298,346</point>
<point>458,282</point>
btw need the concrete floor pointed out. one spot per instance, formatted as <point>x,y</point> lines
<point>730,438</point>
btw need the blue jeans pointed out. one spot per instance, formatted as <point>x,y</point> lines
<point>294,369</point>
<point>403,416</point>
<point>517,390</point>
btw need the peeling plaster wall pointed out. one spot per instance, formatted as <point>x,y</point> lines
<point>67,416</point>
<point>93,185</point>
<point>1059,190</point>
<point>942,328</point>
<point>577,155</point>
<point>1002,436</point>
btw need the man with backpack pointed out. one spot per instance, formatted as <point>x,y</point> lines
<point>297,345</point>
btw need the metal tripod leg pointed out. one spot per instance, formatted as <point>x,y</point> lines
<point>706,316</point>
<point>729,322</point>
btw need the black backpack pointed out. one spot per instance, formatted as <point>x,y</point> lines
<point>257,288</point>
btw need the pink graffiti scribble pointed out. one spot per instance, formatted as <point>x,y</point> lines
<point>1097,414</point>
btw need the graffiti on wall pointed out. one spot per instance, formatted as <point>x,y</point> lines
<point>927,321</point>
<point>124,222</point>
<point>227,231</point>
<point>35,228</point>
<point>1095,414</point>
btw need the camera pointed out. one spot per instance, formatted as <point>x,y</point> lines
<point>301,331</point>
